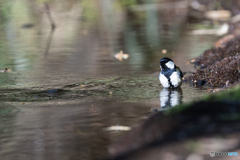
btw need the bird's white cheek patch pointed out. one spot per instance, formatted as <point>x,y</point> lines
<point>175,79</point>
<point>170,65</point>
<point>164,81</point>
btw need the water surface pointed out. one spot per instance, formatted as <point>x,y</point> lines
<point>81,49</point>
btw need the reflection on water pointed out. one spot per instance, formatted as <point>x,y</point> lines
<point>84,42</point>
<point>64,130</point>
<point>170,97</point>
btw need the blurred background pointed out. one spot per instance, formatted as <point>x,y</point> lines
<point>90,33</point>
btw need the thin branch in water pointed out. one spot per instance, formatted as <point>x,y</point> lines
<point>53,24</point>
<point>49,41</point>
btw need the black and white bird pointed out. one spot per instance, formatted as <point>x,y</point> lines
<point>170,75</point>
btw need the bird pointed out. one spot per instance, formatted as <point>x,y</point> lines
<point>170,75</point>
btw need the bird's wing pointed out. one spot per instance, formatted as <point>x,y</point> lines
<point>179,72</point>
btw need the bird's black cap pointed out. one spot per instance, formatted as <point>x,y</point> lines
<point>165,60</point>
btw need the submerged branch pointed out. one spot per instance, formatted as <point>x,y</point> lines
<point>53,24</point>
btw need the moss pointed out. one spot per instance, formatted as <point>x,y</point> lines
<point>125,88</point>
<point>7,110</point>
<point>232,94</point>
<point>177,109</point>
<point>230,117</point>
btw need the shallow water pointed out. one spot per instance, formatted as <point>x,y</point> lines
<point>64,130</point>
<point>81,49</point>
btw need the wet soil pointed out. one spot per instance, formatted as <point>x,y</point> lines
<point>219,65</point>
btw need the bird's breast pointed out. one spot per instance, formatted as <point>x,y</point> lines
<point>175,79</point>
<point>164,80</point>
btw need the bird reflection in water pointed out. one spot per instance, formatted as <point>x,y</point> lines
<point>170,98</point>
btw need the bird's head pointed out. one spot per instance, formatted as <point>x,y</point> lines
<point>166,63</point>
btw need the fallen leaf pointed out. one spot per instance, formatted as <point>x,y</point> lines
<point>118,128</point>
<point>223,41</point>
<point>120,56</point>
<point>218,14</point>
<point>6,70</point>
<point>164,51</point>
<point>193,60</point>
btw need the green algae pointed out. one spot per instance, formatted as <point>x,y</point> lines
<point>124,88</point>
<point>230,117</point>
<point>178,109</point>
<point>232,94</point>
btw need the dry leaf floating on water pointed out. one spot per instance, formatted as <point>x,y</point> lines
<point>120,56</point>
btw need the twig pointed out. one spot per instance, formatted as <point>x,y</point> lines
<point>215,82</point>
<point>49,16</point>
<point>49,40</point>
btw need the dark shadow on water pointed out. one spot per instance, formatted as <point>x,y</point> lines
<point>169,132</point>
